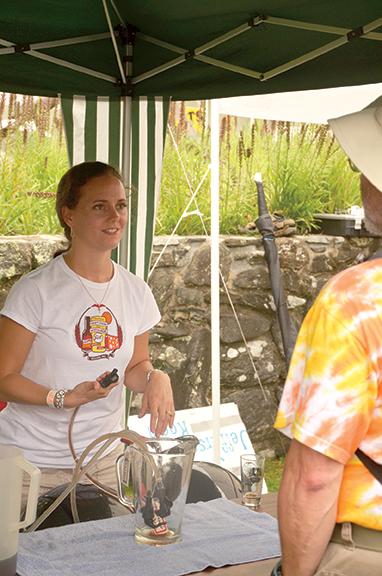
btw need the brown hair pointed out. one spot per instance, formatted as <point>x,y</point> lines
<point>69,187</point>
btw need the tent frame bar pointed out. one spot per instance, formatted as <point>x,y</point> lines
<point>70,41</point>
<point>305,58</point>
<point>323,50</point>
<point>159,69</point>
<point>161,43</point>
<point>5,42</point>
<point>71,66</point>
<point>29,51</point>
<point>121,21</point>
<point>58,43</point>
<point>336,30</point>
<point>114,42</point>
<point>346,35</point>
<point>231,67</point>
<point>228,35</point>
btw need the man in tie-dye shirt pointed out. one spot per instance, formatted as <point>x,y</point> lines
<point>330,505</point>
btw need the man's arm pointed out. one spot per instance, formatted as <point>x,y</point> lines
<point>307,508</point>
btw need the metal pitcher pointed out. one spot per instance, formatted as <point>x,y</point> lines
<point>154,478</point>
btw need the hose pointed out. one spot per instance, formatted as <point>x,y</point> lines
<point>80,470</point>
<point>105,489</point>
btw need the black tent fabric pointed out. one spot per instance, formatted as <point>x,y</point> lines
<point>206,49</point>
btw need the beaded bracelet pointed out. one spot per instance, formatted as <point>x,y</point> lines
<point>59,399</point>
<point>55,398</point>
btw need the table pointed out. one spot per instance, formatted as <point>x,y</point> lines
<point>259,568</point>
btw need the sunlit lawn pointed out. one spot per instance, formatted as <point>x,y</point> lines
<point>273,472</point>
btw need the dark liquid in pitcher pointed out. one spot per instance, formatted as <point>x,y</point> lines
<point>8,566</point>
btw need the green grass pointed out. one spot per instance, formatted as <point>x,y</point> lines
<point>304,172</point>
<point>29,173</point>
<point>273,473</point>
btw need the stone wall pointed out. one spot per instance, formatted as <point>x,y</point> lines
<point>252,375</point>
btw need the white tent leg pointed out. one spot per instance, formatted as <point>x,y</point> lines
<point>215,296</point>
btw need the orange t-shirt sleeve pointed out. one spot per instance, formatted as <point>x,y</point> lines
<point>325,403</point>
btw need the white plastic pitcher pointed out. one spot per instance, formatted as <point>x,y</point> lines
<point>12,466</point>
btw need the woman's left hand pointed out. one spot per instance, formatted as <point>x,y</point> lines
<point>158,402</point>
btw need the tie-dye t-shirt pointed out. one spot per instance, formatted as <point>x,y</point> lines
<point>332,400</point>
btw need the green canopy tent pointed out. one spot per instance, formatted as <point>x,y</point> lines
<point>127,49</point>
<point>132,50</point>
<point>199,49</point>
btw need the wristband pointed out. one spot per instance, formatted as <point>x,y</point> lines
<point>50,398</point>
<point>59,398</point>
<point>152,371</point>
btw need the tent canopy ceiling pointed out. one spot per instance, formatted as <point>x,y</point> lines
<point>206,49</point>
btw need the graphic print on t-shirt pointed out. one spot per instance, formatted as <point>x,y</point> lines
<point>98,333</point>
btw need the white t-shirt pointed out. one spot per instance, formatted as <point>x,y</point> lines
<point>75,340</point>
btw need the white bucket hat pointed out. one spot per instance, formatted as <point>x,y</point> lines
<point>360,135</point>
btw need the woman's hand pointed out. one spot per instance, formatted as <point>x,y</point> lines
<point>87,392</point>
<point>157,393</point>
<point>158,402</point>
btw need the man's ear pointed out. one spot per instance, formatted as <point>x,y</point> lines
<point>67,215</point>
<point>372,205</point>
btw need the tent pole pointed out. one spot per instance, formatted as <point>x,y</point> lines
<point>215,280</point>
<point>126,140</point>
<point>123,249</point>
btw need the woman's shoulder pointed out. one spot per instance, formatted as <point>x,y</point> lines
<point>42,272</point>
<point>130,278</point>
<point>44,277</point>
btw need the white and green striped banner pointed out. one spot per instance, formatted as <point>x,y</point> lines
<point>94,131</point>
<point>148,132</point>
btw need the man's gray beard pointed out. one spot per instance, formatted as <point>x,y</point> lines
<point>371,226</point>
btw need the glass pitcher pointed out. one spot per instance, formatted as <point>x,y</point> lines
<point>12,466</point>
<point>155,480</point>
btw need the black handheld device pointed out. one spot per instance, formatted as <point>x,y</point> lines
<point>109,378</point>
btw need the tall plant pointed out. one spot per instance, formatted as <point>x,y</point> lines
<point>185,162</point>
<point>32,159</point>
<point>304,173</point>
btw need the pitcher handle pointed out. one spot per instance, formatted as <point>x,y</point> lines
<point>120,464</point>
<point>34,486</point>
